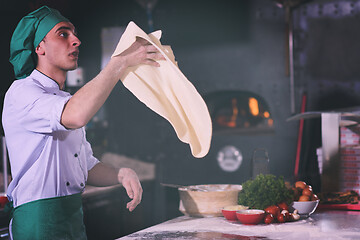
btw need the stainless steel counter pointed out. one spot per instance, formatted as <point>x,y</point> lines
<point>321,225</point>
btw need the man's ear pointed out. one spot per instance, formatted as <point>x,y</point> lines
<point>40,50</point>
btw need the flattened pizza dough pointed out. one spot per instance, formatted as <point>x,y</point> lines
<point>166,91</point>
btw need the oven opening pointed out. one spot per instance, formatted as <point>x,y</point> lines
<point>239,112</point>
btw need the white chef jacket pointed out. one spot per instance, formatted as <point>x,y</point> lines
<point>47,160</point>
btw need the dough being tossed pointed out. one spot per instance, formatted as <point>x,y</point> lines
<point>168,92</point>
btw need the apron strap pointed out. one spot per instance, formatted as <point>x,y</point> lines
<point>51,218</point>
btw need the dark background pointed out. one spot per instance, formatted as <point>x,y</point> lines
<point>219,45</point>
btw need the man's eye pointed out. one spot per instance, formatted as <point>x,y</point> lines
<point>63,34</point>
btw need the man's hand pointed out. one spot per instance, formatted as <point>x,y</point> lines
<point>141,52</point>
<point>128,178</point>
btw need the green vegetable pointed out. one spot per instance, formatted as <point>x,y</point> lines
<point>264,191</point>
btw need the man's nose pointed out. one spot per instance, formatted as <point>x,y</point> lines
<point>76,41</point>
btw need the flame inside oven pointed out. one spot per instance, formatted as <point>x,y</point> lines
<point>239,111</point>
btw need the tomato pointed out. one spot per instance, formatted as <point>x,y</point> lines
<point>274,210</point>
<point>283,206</point>
<point>281,218</point>
<point>269,218</point>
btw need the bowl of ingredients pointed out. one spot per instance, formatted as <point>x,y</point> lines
<point>305,201</point>
<point>229,212</point>
<point>304,208</point>
<point>207,200</point>
<point>250,216</point>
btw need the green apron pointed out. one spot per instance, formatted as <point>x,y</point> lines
<point>51,218</point>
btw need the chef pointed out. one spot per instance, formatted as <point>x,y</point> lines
<point>51,160</point>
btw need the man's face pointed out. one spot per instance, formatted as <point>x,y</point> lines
<point>61,47</point>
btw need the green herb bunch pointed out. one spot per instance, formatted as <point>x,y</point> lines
<point>264,191</point>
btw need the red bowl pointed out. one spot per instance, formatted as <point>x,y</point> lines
<point>229,214</point>
<point>250,216</point>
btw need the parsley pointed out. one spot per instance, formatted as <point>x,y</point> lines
<point>264,191</point>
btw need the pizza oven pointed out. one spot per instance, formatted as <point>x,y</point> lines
<point>239,112</point>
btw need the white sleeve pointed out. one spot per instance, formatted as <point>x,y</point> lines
<point>37,110</point>
<point>90,159</point>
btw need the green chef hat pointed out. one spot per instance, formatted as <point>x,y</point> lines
<point>29,32</point>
